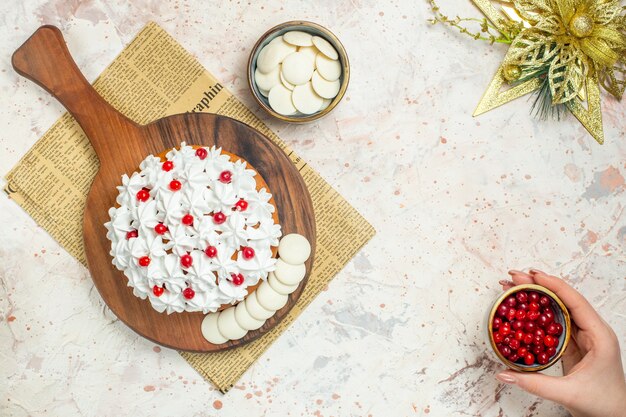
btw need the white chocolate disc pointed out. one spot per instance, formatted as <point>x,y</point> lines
<point>297,68</point>
<point>280,100</point>
<point>325,47</point>
<point>264,93</point>
<point>273,54</point>
<point>328,68</point>
<point>323,88</point>
<point>305,99</point>
<point>294,249</point>
<point>256,310</point>
<point>310,52</point>
<point>284,82</point>
<point>279,287</point>
<point>210,331</point>
<point>296,37</point>
<point>325,104</point>
<point>289,274</point>
<point>267,81</point>
<point>245,320</point>
<point>228,326</point>
<point>269,298</point>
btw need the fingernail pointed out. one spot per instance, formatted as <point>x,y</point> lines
<point>505,282</point>
<point>514,271</point>
<point>536,271</point>
<point>506,378</point>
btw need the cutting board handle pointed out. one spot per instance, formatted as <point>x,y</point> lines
<point>45,59</point>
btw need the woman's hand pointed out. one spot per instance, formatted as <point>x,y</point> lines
<point>593,384</point>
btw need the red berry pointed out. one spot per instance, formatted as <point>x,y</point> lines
<point>528,338</point>
<point>510,301</point>
<point>201,153</point>
<point>511,314</point>
<point>187,220</point>
<point>518,324</point>
<point>156,290</point>
<point>241,205</point>
<point>513,357</point>
<point>533,297</point>
<point>219,217</point>
<point>186,260</point>
<point>543,358</point>
<point>514,344</point>
<point>498,337</point>
<point>504,329</point>
<point>226,177</point>
<point>530,326</point>
<point>144,261</point>
<point>519,335</point>
<point>550,341</point>
<point>522,306</point>
<point>533,315</point>
<point>522,351</point>
<point>537,349</point>
<point>160,229</point>
<point>131,234</point>
<point>543,320</point>
<point>188,293</point>
<point>502,310</point>
<point>237,279</point>
<point>534,306</point>
<point>167,166</point>
<point>544,301</point>
<point>497,321</point>
<point>143,195</point>
<point>551,351</point>
<point>505,350</point>
<point>211,251</point>
<point>507,339</point>
<point>537,340</point>
<point>529,359</point>
<point>540,333</point>
<point>175,185</point>
<point>521,297</point>
<point>549,314</point>
<point>248,253</point>
<point>559,329</point>
<point>520,314</point>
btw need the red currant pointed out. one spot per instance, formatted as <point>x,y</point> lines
<point>540,333</point>
<point>530,326</point>
<point>131,234</point>
<point>522,351</point>
<point>219,217</point>
<point>537,349</point>
<point>511,314</point>
<point>211,251</point>
<point>497,321</point>
<point>505,350</point>
<point>156,290</point>
<point>544,301</point>
<point>528,338</point>
<point>510,301</point>
<point>175,185</point>
<point>226,177</point>
<point>160,228</point>
<point>502,310</point>
<point>144,261</point>
<point>521,297</point>
<point>513,357</point>
<point>187,220</point>
<point>522,306</point>
<point>529,359</point>
<point>186,260</point>
<point>201,153</point>
<point>514,344</point>
<point>543,320</point>
<point>518,324</point>
<point>505,329</point>
<point>248,253</point>
<point>534,306</point>
<point>498,337</point>
<point>559,329</point>
<point>241,205</point>
<point>551,351</point>
<point>519,335</point>
<point>143,195</point>
<point>533,297</point>
<point>543,358</point>
<point>188,293</point>
<point>550,341</point>
<point>167,166</point>
<point>237,279</point>
<point>533,315</point>
<point>520,314</point>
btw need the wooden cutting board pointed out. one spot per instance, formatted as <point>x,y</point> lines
<point>121,145</point>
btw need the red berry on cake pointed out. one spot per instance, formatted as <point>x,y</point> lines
<point>175,185</point>
<point>201,153</point>
<point>188,293</point>
<point>143,195</point>
<point>248,253</point>
<point>219,217</point>
<point>226,177</point>
<point>237,279</point>
<point>187,220</point>
<point>144,261</point>
<point>131,234</point>
<point>160,229</point>
<point>186,260</point>
<point>241,205</point>
<point>167,166</point>
<point>156,290</point>
<point>211,251</point>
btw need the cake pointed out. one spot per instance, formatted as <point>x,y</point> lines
<point>194,230</point>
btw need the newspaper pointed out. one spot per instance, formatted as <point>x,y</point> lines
<point>154,77</point>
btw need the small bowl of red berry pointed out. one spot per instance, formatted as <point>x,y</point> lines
<point>529,328</point>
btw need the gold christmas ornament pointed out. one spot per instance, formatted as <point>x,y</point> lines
<point>564,50</point>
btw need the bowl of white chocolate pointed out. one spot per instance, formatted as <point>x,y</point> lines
<point>298,71</point>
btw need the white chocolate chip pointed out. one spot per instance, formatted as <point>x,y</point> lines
<point>284,82</point>
<point>210,331</point>
<point>325,104</point>
<point>279,98</point>
<point>325,89</point>
<point>305,99</point>
<point>297,68</point>
<point>268,80</point>
<point>228,326</point>
<point>256,310</point>
<point>328,68</point>
<point>264,93</point>
<point>325,47</point>
<point>289,274</point>
<point>245,320</point>
<point>269,298</point>
<point>279,287</point>
<point>298,38</point>
<point>310,52</point>
<point>294,249</point>
<point>273,54</point>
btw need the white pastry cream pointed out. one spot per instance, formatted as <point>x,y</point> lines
<point>192,233</point>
